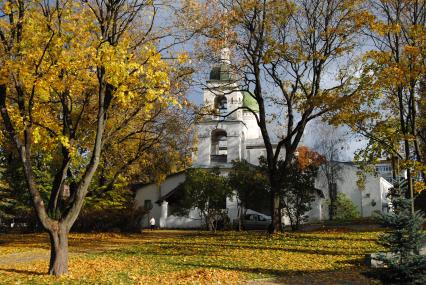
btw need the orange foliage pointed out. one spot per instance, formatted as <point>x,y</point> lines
<point>307,157</point>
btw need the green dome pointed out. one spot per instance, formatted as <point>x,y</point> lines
<point>221,72</point>
<point>250,102</point>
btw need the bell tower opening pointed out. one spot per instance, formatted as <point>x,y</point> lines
<point>221,105</point>
<point>219,146</point>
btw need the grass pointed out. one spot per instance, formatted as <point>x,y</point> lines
<point>190,257</point>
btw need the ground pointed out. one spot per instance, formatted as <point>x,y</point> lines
<point>192,257</point>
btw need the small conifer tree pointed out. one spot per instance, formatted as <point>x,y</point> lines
<point>403,240</point>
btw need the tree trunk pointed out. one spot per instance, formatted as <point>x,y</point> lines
<point>240,218</point>
<point>332,192</point>
<point>276,213</point>
<point>58,251</point>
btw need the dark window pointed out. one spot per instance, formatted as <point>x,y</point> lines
<point>147,204</point>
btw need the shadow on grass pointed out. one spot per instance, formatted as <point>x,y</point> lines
<point>27,272</point>
<point>313,237</point>
<point>184,245</point>
<point>343,276</point>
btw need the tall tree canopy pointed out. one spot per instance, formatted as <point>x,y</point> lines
<point>78,79</point>
<point>390,87</point>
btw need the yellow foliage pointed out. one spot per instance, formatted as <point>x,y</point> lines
<point>57,65</point>
<point>183,58</point>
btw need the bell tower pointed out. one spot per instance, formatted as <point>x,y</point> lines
<point>221,135</point>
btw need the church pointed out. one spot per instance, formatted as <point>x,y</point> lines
<point>231,133</point>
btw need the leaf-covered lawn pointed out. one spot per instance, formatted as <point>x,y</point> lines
<point>187,257</point>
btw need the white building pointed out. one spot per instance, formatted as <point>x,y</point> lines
<point>369,199</point>
<point>233,134</point>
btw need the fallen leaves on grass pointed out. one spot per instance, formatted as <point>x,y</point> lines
<point>189,257</point>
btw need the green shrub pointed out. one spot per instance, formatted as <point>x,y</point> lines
<point>345,208</point>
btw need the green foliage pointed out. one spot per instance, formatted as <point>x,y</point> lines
<point>345,208</point>
<point>206,190</point>
<point>6,202</point>
<point>14,199</point>
<point>298,191</point>
<point>250,185</point>
<point>403,240</point>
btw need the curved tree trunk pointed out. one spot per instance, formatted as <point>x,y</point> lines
<point>58,251</point>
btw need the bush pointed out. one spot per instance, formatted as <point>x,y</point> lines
<point>345,208</point>
<point>102,220</point>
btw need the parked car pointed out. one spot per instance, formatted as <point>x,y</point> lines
<point>255,222</point>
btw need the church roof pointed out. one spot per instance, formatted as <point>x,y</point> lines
<point>250,102</point>
<point>221,72</point>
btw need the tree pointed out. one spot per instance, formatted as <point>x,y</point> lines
<point>64,88</point>
<point>330,143</point>
<point>206,191</point>
<point>404,238</point>
<point>422,117</point>
<point>250,186</point>
<point>298,185</point>
<point>284,48</point>
<point>420,202</point>
<point>389,83</point>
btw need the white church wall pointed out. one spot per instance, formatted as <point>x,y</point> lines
<point>234,148</point>
<point>253,155</point>
<point>153,192</point>
<point>315,214</point>
<point>193,220</point>
<point>150,192</point>
<point>374,196</point>
<point>367,201</point>
<point>384,190</point>
<point>252,126</point>
<point>171,183</point>
<point>204,144</point>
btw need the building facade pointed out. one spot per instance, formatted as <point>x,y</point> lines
<point>230,133</point>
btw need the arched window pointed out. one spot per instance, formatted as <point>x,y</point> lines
<point>221,105</point>
<point>219,146</point>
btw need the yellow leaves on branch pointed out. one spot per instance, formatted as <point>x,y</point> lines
<point>57,64</point>
<point>382,28</point>
<point>419,187</point>
<point>7,8</point>
<point>183,58</point>
<point>143,75</point>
